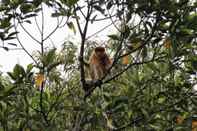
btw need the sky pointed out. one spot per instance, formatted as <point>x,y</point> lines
<point>9,58</point>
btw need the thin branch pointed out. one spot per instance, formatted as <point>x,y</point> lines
<point>145,42</point>
<point>105,27</point>
<point>80,11</point>
<point>77,21</point>
<point>42,70</point>
<point>110,17</point>
<point>42,31</point>
<point>55,29</point>
<point>105,18</point>
<point>27,32</point>
<point>42,111</point>
<point>12,48</point>
<point>83,39</point>
<point>17,38</point>
<point>140,47</point>
<point>37,25</point>
<point>128,67</point>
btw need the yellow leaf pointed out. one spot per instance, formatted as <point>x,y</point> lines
<point>194,125</point>
<point>125,60</point>
<point>39,79</point>
<point>167,43</point>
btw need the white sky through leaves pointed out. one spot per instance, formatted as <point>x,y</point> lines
<point>9,58</point>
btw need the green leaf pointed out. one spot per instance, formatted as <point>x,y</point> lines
<point>161,100</point>
<point>144,52</point>
<point>29,16</point>
<point>12,44</point>
<point>93,19</point>
<point>98,8</point>
<point>114,37</point>
<point>125,30</point>
<point>28,21</point>
<point>118,108</point>
<point>26,8</point>
<point>9,38</point>
<point>2,35</point>
<point>5,48</point>
<point>36,3</point>
<point>191,21</point>
<point>186,31</point>
<point>11,75</point>
<point>1,86</point>
<point>49,57</point>
<point>145,113</point>
<point>29,68</point>
<point>71,2</point>
<point>5,22</point>
<point>156,127</point>
<point>109,4</point>
<point>56,14</point>
<point>71,26</point>
<point>135,40</point>
<point>13,33</point>
<point>120,100</point>
<point>19,71</point>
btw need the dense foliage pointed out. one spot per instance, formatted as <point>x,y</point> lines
<point>149,87</point>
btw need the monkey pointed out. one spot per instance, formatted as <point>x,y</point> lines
<point>99,63</point>
<point>97,67</point>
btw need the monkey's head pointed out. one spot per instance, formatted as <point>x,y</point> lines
<point>100,52</point>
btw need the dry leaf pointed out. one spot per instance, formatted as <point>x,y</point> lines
<point>167,43</point>
<point>125,60</point>
<point>39,79</point>
<point>194,125</point>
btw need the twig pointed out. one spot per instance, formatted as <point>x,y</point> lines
<point>42,70</point>
<point>105,18</point>
<point>55,29</point>
<point>37,25</point>
<point>83,39</point>
<point>42,111</point>
<point>110,17</point>
<point>129,66</point>
<point>17,37</point>
<point>27,32</point>
<point>105,27</point>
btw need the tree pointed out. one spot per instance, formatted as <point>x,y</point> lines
<point>153,89</point>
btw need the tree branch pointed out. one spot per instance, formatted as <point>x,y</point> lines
<point>22,46</point>
<point>83,39</point>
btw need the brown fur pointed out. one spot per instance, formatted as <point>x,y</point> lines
<point>99,63</point>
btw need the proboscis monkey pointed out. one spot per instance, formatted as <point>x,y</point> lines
<point>99,63</point>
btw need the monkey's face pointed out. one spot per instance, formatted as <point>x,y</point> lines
<point>100,54</point>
